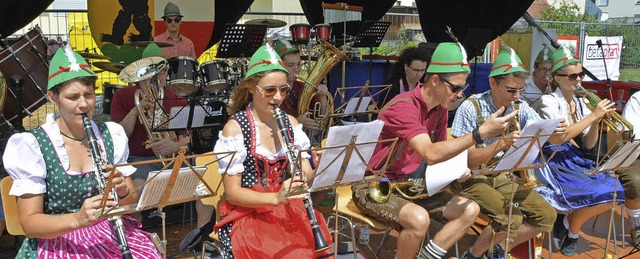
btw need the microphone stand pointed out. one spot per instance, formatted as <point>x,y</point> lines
<point>607,86</point>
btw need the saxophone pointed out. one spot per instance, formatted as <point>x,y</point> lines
<point>153,119</point>
<point>116,221</point>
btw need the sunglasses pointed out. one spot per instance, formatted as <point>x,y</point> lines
<point>574,76</point>
<point>170,20</point>
<point>271,90</point>
<point>512,90</point>
<point>417,70</point>
<point>455,88</point>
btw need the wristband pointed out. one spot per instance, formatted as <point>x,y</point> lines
<point>125,195</point>
<point>476,136</point>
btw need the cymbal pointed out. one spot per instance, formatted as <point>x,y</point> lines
<point>109,66</point>
<point>145,43</point>
<point>270,23</point>
<point>143,69</point>
<point>85,54</point>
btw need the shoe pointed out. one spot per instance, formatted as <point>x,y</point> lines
<point>569,246</point>
<point>467,255</point>
<point>635,235</point>
<point>559,231</point>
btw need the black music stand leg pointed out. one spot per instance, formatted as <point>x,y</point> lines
<point>370,61</point>
<point>16,84</point>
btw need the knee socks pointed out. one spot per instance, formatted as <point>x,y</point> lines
<point>634,217</point>
<point>434,251</point>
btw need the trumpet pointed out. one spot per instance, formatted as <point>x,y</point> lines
<point>411,189</point>
<point>614,121</point>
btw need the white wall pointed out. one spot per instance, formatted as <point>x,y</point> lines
<point>621,8</point>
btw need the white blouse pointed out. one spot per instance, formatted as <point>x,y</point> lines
<point>236,143</point>
<point>29,177</point>
<point>554,106</point>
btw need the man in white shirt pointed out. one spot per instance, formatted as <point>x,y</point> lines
<point>538,84</point>
<point>630,178</point>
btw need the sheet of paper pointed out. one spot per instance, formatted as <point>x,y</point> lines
<point>517,151</point>
<point>353,102</point>
<point>327,172</point>
<point>439,175</point>
<point>623,157</point>
<point>184,187</point>
<point>180,117</point>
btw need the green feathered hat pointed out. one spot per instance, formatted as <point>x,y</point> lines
<point>544,56</point>
<point>264,59</point>
<point>562,56</point>
<point>449,57</point>
<point>507,62</point>
<point>65,65</point>
<point>152,50</point>
<point>283,48</point>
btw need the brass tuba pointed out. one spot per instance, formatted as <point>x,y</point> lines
<point>145,72</point>
<point>614,121</point>
<point>329,57</point>
<point>411,189</point>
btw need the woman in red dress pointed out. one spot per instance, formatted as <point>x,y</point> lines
<point>258,221</point>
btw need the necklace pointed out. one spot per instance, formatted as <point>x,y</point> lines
<point>76,139</point>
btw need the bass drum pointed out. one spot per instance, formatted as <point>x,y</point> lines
<point>25,63</point>
<point>205,138</point>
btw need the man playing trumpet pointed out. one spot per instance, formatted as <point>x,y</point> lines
<point>419,119</point>
<point>493,192</point>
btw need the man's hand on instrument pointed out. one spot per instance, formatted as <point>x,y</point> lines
<point>495,125</point>
<point>315,156</point>
<point>508,140</point>
<point>307,123</point>
<point>322,89</point>
<point>85,216</point>
<point>165,146</point>
<point>119,183</point>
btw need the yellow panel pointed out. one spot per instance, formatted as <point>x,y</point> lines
<point>521,43</point>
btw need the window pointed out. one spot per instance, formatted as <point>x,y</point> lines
<point>604,2</point>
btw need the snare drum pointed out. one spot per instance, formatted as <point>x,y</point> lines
<point>215,75</point>
<point>323,32</point>
<point>182,76</point>
<point>26,58</point>
<point>300,33</point>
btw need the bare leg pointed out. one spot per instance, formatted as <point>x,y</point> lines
<point>578,217</point>
<point>484,241</point>
<point>415,222</point>
<point>461,213</point>
<point>525,232</point>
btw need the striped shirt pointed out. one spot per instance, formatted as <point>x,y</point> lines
<point>466,118</point>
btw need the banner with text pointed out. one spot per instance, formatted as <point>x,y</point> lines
<point>593,56</point>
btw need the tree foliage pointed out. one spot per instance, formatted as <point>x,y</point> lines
<point>565,11</point>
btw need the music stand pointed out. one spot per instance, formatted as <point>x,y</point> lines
<point>241,40</point>
<point>345,160</point>
<point>522,154</point>
<point>362,95</point>
<point>620,160</point>
<point>179,179</point>
<point>370,35</point>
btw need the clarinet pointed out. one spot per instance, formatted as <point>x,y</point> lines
<point>118,227</point>
<point>320,242</point>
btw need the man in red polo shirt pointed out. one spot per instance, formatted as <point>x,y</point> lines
<point>419,119</point>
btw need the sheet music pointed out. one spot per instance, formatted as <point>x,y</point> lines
<point>624,157</point>
<point>351,105</point>
<point>183,188</point>
<point>439,175</point>
<point>341,135</point>
<point>517,151</point>
<point>180,117</point>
